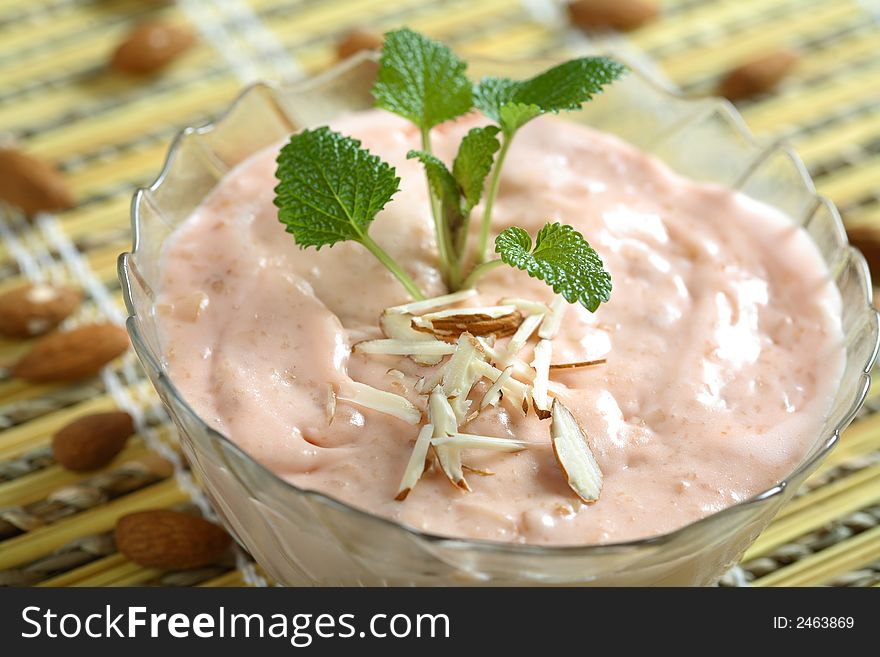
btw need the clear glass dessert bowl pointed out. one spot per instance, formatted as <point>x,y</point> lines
<point>305,537</point>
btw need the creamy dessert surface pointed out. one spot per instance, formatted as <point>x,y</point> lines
<point>722,338</point>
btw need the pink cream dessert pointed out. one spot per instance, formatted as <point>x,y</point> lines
<point>722,342</point>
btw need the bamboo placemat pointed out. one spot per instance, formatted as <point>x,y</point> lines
<point>109,133</point>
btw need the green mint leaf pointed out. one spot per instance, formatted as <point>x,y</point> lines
<point>513,116</point>
<point>329,188</point>
<point>474,161</point>
<point>562,258</point>
<point>421,80</point>
<point>563,87</point>
<point>444,187</point>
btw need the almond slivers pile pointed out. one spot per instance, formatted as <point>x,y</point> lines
<point>430,330</point>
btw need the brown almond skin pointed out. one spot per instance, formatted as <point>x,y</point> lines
<point>24,314</point>
<point>170,540</point>
<point>31,184</point>
<point>623,15</point>
<point>151,47</point>
<point>92,441</point>
<point>758,75</point>
<point>357,40</point>
<point>72,355</point>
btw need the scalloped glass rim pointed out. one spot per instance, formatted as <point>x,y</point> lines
<point>128,273</point>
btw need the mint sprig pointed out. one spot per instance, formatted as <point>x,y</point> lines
<point>562,258</point>
<point>330,190</point>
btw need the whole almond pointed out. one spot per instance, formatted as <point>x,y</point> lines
<point>170,540</point>
<point>72,355</point>
<point>621,15</point>
<point>31,184</point>
<point>867,240</point>
<point>35,309</point>
<point>357,40</point>
<point>151,47</point>
<point>758,75</point>
<point>92,441</point>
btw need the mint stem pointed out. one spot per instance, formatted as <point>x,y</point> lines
<point>440,227</point>
<point>479,271</point>
<point>490,201</point>
<point>393,267</point>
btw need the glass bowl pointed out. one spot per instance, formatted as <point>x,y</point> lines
<point>304,537</point>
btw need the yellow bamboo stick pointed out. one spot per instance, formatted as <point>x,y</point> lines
<point>63,23</point>
<point>39,431</point>
<point>842,54</point>
<point>818,508</point>
<point>803,105</point>
<point>32,545</point>
<point>824,566</point>
<point>853,480</point>
<point>677,29</point>
<point>143,116</point>
<point>834,141</point>
<point>71,56</point>
<point>38,485</point>
<point>861,438</point>
<point>84,573</point>
<point>721,54</point>
<point>232,578</point>
<point>129,574</point>
<point>102,263</point>
<point>516,40</point>
<point>853,183</point>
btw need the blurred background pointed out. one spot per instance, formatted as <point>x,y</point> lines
<point>93,91</point>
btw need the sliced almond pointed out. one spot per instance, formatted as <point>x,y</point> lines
<point>442,417</point>
<point>459,376</point>
<point>427,305</point>
<point>398,326</point>
<point>516,393</point>
<point>394,347</point>
<point>415,467</point>
<point>379,400</point>
<point>541,363</point>
<point>430,381</point>
<point>493,394</point>
<point>552,322</point>
<point>576,364</point>
<point>499,321</point>
<point>523,333</point>
<point>573,453</point>
<point>473,441</point>
<point>526,306</point>
<point>478,471</point>
<point>449,459</point>
<point>467,314</point>
<point>501,359</point>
